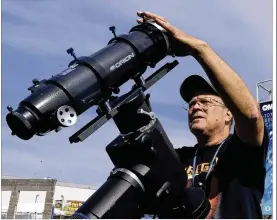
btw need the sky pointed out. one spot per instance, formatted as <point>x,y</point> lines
<point>36,35</point>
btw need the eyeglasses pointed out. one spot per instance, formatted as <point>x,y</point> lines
<point>204,103</point>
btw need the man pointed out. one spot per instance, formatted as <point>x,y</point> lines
<point>235,163</point>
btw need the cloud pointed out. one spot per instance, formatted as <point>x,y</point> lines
<point>258,15</point>
<point>64,23</point>
<point>50,27</point>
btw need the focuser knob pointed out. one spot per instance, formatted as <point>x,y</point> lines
<point>10,109</point>
<point>112,29</point>
<point>66,116</point>
<point>35,81</point>
<point>71,52</point>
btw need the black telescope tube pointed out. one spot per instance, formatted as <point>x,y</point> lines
<point>89,80</point>
<point>118,197</point>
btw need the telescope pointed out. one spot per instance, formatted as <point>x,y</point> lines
<point>148,176</point>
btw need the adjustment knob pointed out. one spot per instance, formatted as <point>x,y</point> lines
<point>112,29</point>
<point>10,109</point>
<point>71,52</point>
<point>35,81</point>
<point>66,116</point>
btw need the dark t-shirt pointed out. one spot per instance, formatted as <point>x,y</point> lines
<point>236,183</point>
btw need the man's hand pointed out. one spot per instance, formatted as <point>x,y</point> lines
<point>231,88</point>
<point>182,43</point>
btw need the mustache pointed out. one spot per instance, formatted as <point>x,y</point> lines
<point>198,114</point>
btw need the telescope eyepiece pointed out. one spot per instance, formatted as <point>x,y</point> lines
<point>21,122</point>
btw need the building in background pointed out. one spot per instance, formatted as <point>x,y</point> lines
<point>41,198</point>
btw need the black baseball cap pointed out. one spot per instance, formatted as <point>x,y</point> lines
<point>193,85</point>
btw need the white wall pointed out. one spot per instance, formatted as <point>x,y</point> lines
<point>30,196</point>
<point>5,200</point>
<point>27,201</point>
<point>71,193</point>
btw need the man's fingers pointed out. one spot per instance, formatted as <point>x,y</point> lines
<point>158,19</point>
<point>150,15</point>
<point>139,13</point>
<point>168,27</point>
<point>140,20</point>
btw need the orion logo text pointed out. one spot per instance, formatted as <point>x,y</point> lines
<point>120,62</point>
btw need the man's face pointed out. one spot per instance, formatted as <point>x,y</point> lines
<point>206,113</point>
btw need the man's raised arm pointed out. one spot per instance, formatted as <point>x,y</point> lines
<point>249,123</point>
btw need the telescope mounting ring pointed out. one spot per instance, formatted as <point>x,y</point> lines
<point>66,115</point>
